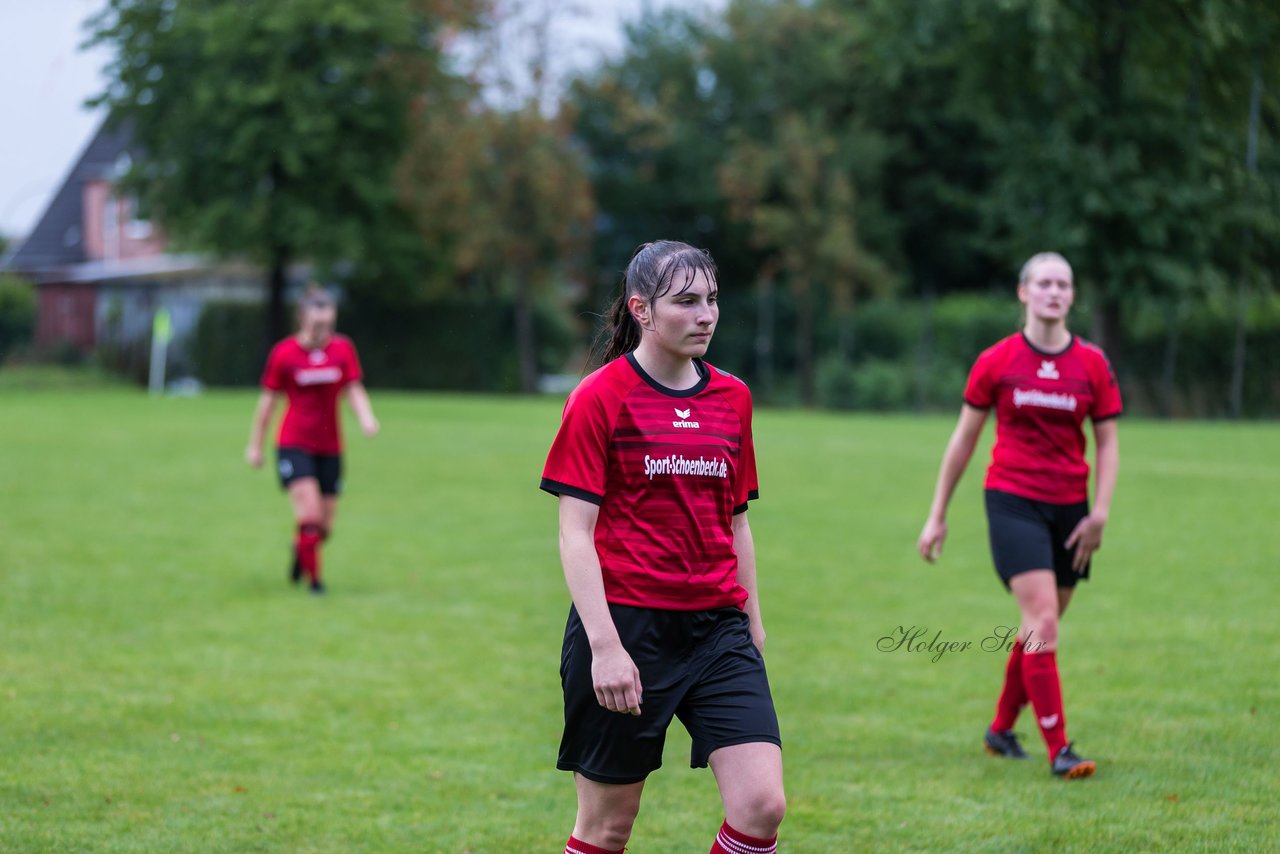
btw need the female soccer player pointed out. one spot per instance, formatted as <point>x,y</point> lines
<point>311,368</point>
<point>1043,383</point>
<point>654,465</point>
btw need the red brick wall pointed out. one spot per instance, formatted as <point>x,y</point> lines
<point>66,313</point>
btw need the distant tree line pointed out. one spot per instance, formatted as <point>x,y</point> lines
<point>869,174</point>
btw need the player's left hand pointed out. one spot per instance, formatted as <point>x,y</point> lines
<point>757,635</point>
<point>370,427</point>
<point>1085,539</point>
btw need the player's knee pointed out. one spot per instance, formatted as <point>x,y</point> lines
<point>1046,628</point>
<point>607,823</point>
<point>311,529</point>
<point>771,809</point>
<point>611,831</point>
<point>760,812</point>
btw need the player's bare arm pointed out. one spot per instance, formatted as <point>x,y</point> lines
<point>615,676</point>
<point>954,461</point>
<point>258,428</point>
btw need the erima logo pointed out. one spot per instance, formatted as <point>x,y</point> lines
<point>683,415</point>
<point>316,357</point>
<point>1048,371</point>
<point>1049,722</point>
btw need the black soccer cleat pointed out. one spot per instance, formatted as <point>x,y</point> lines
<point>1003,744</point>
<point>317,589</point>
<point>1071,767</point>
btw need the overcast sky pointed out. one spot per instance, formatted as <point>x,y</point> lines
<point>45,79</point>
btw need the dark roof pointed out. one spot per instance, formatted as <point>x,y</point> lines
<point>58,237</point>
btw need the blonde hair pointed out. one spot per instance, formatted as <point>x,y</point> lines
<point>313,295</point>
<point>1024,275</point>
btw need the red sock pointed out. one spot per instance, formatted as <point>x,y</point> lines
<point>308,545</point>
<point>1014,694</point>
<point>730,841</point>
<point>1040,676</point>
<point>577,846</point>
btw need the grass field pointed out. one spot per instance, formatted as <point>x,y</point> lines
<point>163,689</point>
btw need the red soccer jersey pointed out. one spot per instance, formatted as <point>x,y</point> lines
<point>311,380</point>
<point>669,469</point>
<point>1041,401</point>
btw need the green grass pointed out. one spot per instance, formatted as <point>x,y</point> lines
<point>48,377</point>
<point>163,689</point>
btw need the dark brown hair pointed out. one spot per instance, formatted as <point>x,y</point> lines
<point>650,274</point>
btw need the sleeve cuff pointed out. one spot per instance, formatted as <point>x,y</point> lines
<point>753,495</point>
<point>982,406</point>
<point>555,487</point>
<point>1097,418</point>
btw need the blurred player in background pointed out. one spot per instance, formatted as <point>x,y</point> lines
<point>654,465</point>
<point>1043,383</point>
<point>311,369</point>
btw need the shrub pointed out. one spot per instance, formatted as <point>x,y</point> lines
<point>454,343</point>
<point>873,384</point>
<point>226,349</point>
<point>17,314</point>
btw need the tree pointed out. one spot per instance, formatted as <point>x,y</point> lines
<point>499,187</point>
<point>741,133</point>
<point>271,130</point>
<point>799,200</point>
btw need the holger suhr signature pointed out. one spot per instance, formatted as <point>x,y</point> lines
<point>918,639</point>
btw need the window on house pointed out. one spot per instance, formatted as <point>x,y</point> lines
<point>137,223</point>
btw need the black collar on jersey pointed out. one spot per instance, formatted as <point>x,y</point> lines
<point>704,377</point>
<point>1071,343</point>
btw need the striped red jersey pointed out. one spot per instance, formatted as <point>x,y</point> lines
<point>668,469</point>
<point>1041,401</point>
<point>312,381</point>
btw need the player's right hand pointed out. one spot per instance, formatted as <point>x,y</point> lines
<point>253,456</point>
<point>616,680</point>
<point>930,543</point>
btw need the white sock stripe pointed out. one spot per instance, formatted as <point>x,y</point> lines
<point>733,846</point>
<point>568,850</point>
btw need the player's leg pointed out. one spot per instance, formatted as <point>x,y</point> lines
<point>329,475</point>
<point>610,753</point>
<point>1065,763</point>
<point>1037,595</point>
<point>1064,599</point>
<point>606,814</point>
<point>308,512</point>
<point>1021,544</point>
<point>1036,592</point>
<point>750,780</point>
<point>328,512</point>
<point>730,715</point>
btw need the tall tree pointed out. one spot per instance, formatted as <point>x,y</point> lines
<point>493,179</point>
<point>270,130</point>
<point>799,200</point>
<point>743,133</point>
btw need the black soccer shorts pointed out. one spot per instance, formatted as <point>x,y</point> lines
<point>1027,534</point>
<point>295,463</point>
<point>698,666</point>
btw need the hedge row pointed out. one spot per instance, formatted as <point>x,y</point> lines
<point>1177,363</point>
<point>453,344</point>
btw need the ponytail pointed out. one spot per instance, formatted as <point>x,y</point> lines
<point>623,333</point>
